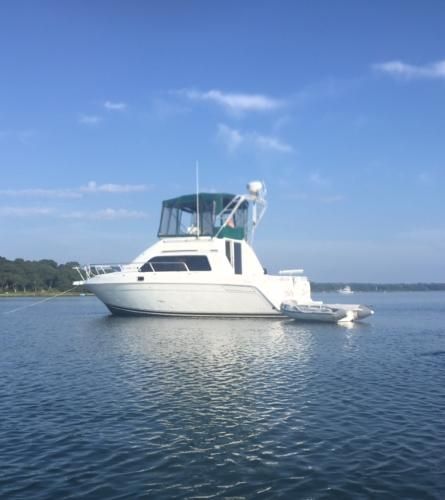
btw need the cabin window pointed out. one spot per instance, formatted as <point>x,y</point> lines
<point>238,259</point>
<point>170,263</point>
<point>228,252</point>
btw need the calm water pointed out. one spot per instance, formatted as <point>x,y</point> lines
<point>93,406</point>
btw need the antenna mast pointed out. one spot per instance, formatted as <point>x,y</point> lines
<point>197,198</point>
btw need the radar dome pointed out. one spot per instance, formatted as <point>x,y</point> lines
<point>255,187</point>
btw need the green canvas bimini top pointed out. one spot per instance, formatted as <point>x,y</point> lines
<point>178,217</point>
<point>188,201</point>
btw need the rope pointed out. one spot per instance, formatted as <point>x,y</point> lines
<point>39,301</point>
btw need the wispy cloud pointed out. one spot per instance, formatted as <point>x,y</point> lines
<point>271,143</point>
<point>231,137</point>
<point>167,108</point>
<point>424,178</point>
<point>93,187</point>
<point>428,236</point>
<point>25,211</point>
<point>106,214</point>
<point>41,193</point>
<point>410,71</point>
<point>335,198</point>
<point>234,102</point>
<point>115,106</point>
<point>309,197</point>
<point>319,180</point>
<point>234,139</point>
<point>89,120</point>
<point>90,188</point>
<point>24,136</point>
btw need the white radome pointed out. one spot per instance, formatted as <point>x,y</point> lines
<point>255,187</point>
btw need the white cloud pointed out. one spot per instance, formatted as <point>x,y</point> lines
<point>90,120</point>
<point>93,187</point>
<point>410,71</point>
<point>319,180</point>
<point>234,139</point>
<point>296,196</point>
<point>335,198</point>
<point>424,178</point>
<point>425,235</point>
<point>24,136</point>
<point>106,214</point>
<point>24,211</point>
<point>235,103</point>
<point>43,193</point>
<point>272,143</point>
<point>115,106</point>
<point>165,108</point>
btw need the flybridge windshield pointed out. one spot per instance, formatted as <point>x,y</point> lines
<point>179,216</point>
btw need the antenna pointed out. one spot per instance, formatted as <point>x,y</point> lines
<point>197,198</point>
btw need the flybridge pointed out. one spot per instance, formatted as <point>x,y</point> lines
<point>221,215</point>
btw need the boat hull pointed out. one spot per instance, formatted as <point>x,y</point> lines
<point>179,299</point>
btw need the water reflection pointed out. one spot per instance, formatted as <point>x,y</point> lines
<point>209,339</point>
<point>216,374</point>
<point>97,406</point>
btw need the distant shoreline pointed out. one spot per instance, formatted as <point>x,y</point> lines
<point>315,288</point>
<point>17,295</point>
<point>379,287</point>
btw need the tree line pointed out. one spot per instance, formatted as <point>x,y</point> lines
<point>34,276</point>
<point>28,276</point>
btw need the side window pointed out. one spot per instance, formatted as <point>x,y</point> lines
<point>176,263</point>
<point>238,259</point>
<point>228,251</point>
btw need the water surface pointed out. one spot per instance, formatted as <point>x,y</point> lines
<point>95,406</point>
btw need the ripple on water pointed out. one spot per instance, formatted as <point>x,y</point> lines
<point>98,407</point>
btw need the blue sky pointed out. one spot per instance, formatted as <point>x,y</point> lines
<point>339,106</point>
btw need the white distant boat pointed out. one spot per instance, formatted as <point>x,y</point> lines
<point>346,290</point>
<point>202,265</point>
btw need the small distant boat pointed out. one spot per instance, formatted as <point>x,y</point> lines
<point>346,290</point>
<point>326,313</point>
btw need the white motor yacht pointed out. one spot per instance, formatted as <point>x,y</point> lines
<point>203,264</point>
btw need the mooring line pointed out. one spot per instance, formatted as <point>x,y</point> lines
<point>39,301</point>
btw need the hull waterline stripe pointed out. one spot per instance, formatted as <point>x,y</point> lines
<point>122,311</point>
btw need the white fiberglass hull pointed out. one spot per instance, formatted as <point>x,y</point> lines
<point>184,299</point>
